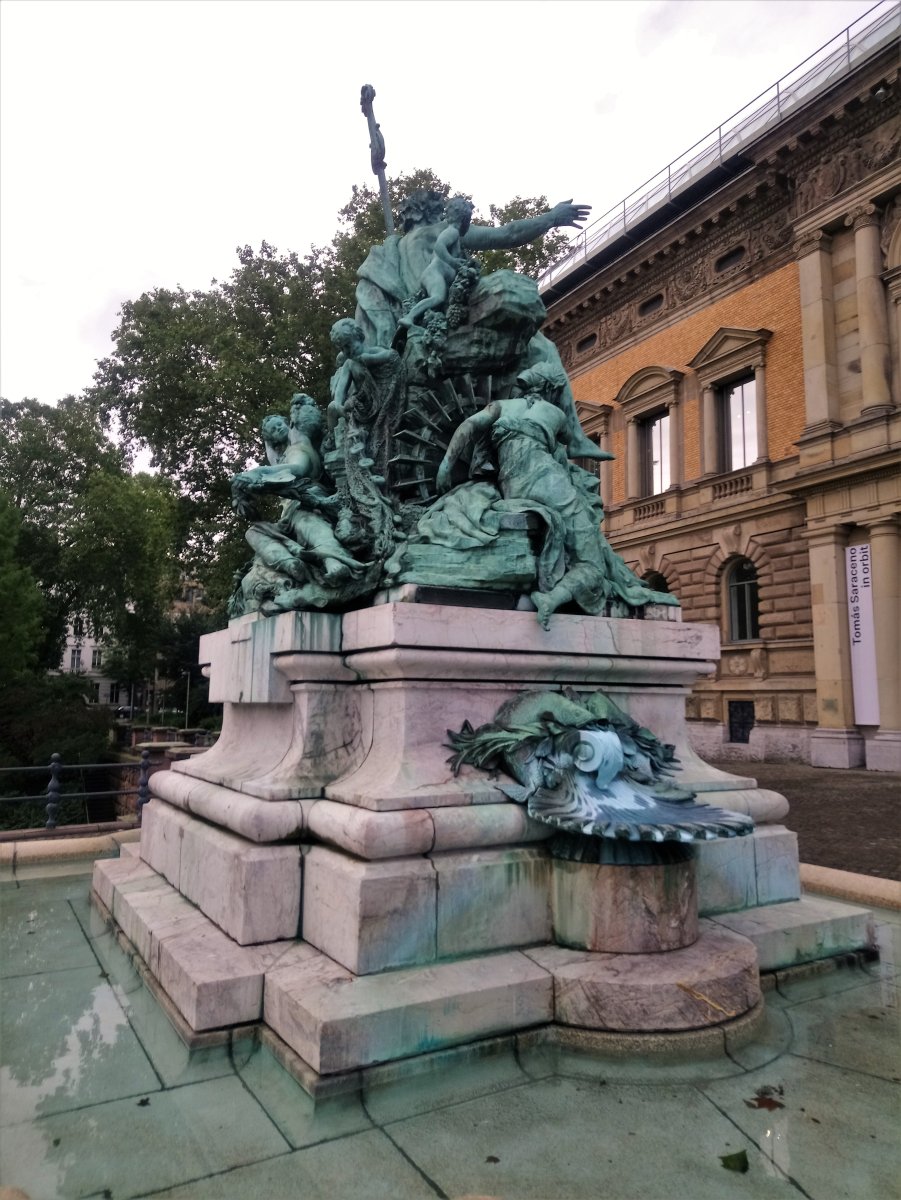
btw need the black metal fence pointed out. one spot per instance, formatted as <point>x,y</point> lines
<point>54,794</point>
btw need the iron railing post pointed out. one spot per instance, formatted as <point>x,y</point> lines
<point>53,791</point>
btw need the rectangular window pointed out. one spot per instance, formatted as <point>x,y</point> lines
<point>75,659</point>
<point>655,456</point>
<point>741,720</point>
<point>744,603</point>
<point>96,658</point>
<point>738,425</point>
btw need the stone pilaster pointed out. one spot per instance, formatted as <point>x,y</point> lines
<point>871,308</point>
<point>893,283</point>
<point>814,253</point>
<point>884,748</point>
<point>675,444</point>
<point>760,399</point>
<point>709,463</point>
<point>633,459</point>
<point>835,742</point>
<point>606,471</point>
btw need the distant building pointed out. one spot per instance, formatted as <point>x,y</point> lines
<point>732,333</point>
<point>84,655</point>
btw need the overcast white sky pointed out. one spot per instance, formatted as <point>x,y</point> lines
<point>143,140</point>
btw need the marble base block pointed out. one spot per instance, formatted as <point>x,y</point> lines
<point>377,916</point>
<point>621,909</point>
<point>369,916</point>
<point>491,900</point>
<point>739,873</point>
<point>356,708</point>
<point>883,750</point>
<point>801,931</point>
<point>339,1025</point>
<point>712,981</point>
<point>842,748</point>
<point>251,892</point>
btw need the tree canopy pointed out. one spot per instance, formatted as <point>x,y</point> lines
<point>94,539</point>
<point>21,603</point>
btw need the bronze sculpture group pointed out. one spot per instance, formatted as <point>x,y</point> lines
<point>451,455</point>
<point>449,413</point>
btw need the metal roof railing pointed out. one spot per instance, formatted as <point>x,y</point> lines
<point>819,71</point>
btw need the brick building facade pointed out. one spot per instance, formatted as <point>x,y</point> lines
<point>734,339</point>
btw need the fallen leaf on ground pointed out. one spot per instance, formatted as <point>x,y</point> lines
<point>735,1162</point>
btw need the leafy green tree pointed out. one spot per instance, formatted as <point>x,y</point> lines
<point>529,260</point>
<point>42,715</point>
<point>21,603</point>
<point>97,540</point>
<point>178,661</point>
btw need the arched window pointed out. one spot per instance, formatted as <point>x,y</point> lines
<point>656,581</point>
<point>744,609</point>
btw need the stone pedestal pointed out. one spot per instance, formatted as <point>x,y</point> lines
<point>625,909</point>
<point>322,869</point>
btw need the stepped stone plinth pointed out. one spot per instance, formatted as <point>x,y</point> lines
<point>322,869</point>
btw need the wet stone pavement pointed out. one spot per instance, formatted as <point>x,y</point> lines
<point>100,1098</point>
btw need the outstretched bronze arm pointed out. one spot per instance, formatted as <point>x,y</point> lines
<point>520,233</point>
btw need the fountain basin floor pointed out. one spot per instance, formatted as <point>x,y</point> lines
<point>99,1096</point>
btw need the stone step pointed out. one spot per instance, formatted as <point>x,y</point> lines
<point>339,1022</point>
<point>713,980</point>
<point>801,931</point>
<point>211,980</point>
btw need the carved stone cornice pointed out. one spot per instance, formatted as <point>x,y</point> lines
<point>832,477</point>
<point>847,153</point>
<point>842,156</point>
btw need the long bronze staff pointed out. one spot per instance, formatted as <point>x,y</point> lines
<point>377,149</point>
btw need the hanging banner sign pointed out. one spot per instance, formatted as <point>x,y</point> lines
<point>858,567</point>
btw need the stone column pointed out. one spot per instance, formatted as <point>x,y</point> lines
<point>675,444</point>
<point>606,471</point>
<point>893,284</point>
<point>836,742</point>
<point>814,254</point>
<point>871,308</point>
<point>884,748</point>
<point>760,399</point>
<point>633,459</point>
<point>709,463</point>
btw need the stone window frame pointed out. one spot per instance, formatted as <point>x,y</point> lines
<point>731,354</point>
<point>730,589</point>
<point>724,426</point>
<point>647,394</point>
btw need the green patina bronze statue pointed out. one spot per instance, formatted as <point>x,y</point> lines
<point>583,766</point>
<point>451,430</point>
